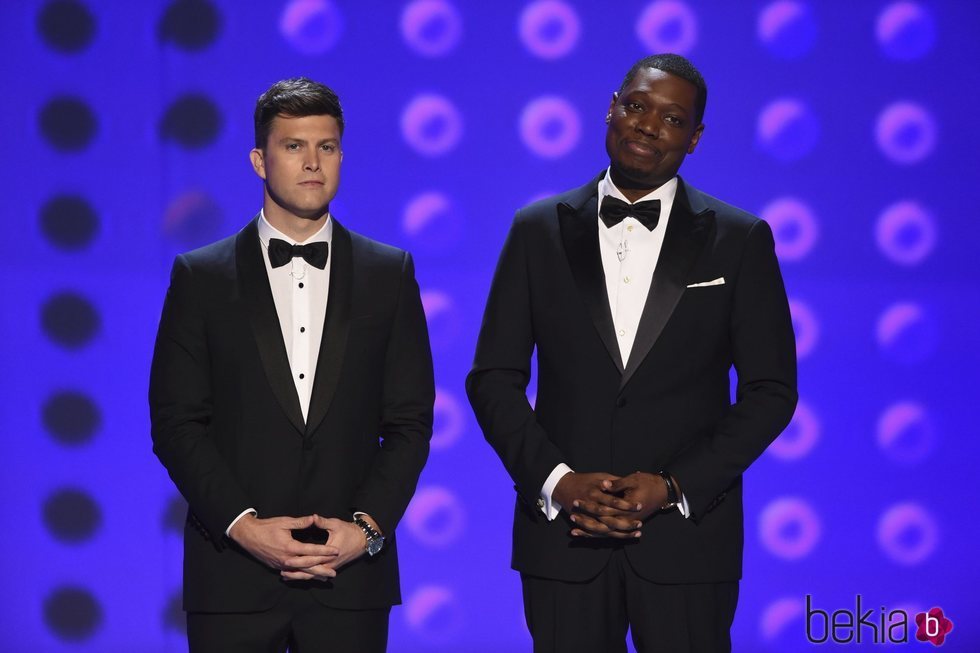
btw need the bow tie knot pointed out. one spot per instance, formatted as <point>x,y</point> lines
<point>614,210</point>
<point>281,253</point>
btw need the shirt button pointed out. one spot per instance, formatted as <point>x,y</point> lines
<point>302,329</point>
<point>629,228</point>
<point>300,284</point>
<point>302,376</point>
<point>626,279</point>
<point>622,332</point>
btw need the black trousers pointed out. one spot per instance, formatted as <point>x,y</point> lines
<point>593,617</point>
<point>298,623</point>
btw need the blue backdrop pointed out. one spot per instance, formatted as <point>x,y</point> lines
<point>846,125</point>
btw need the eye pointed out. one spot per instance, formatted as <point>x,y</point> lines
<point>328,147</point>
<point>634,106</point>
<point>673,120</point>
<point>292,147</point>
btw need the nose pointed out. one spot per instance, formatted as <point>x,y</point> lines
<point>649,125</point>
<point>312,162</point>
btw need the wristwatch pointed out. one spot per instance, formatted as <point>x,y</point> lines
<point>375,540</point>
<point>672,498</point>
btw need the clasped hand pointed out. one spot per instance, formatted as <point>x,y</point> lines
<point>271,542</point>
<point>605,505</point>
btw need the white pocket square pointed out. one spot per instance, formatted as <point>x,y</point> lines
<point>720,281</point>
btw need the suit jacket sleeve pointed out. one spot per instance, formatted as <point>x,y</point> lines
<point>406,414</point>
<point>764,351</point>
<point>181,405</point>
<point>497,384</point>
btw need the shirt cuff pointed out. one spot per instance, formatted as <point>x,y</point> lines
<point>548,506</point>
<point>683,507</point>
<point>247,511</point>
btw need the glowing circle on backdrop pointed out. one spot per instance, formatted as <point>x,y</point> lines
<point>549,29</point>
<point>311,26</point>
<point>432,221</point>
<point>794,227</point>
<point>550,127</point>
<point>787,129</point>
<point>905,30</point>
<point>433,613</point>
<point>435,517</point>
<point>72,613</point>
<point>907,333</point>
<point>70,320</point>
<point>800,436</point>
<point>431,125</point>
<point>906,133</point>
<point>787,28</point>
<point>449,420</point>
<point>668,26</point>
<point>193,219</point>
<point>431,28</point>
<point>906,233</point>
<point>907,533</point>
<point>442,317</point>
<point>778,615</point>
<point>906,433</point>
<point>806,327</point>
<point>789,528</point>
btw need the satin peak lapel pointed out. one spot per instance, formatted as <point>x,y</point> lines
<point>686,235</point>
<point>580,236</point>
<point>336,326</point>
<point>265,322</point>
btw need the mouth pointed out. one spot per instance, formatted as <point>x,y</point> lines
<point>311,183</point>
<point>641,148</point>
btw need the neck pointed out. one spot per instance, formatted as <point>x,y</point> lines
<point>632,189</point>
<point>297,228</point>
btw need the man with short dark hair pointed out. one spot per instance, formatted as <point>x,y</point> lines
<point>291,399</point>
<point>639,293</point>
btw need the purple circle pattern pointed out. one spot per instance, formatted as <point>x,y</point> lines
<point>432,28</point>
<point>787,129</point>
<point>906,233</point>
<point>668,26</point>
<point>435,517</point>
<point>907,534</point>
<point>905,433</point>
<point>549,29</point>
<point>787,28</point>
<point>789,528</point>
<point>905,30</point>
<point>906,133</point>
<point>794,227</point>
<point>311,26</point>
<point>431,125</point>
<point>550,127</point>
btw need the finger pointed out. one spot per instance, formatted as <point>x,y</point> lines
<point>612,501</point>
<point>302,562</point>
<point>297,548</point>
<point>596,509</point>
<point>298,522</point>
<point>322,572</point>
<point>625,525</point>
<point>326,523</point>
<point>590,525</point>
<point>295,574</point>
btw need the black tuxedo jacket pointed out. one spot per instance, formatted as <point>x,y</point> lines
<point>668,407</point>
<point>227,423</point>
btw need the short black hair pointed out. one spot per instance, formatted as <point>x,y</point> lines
<point>677,65</point>
<point>296,97</point>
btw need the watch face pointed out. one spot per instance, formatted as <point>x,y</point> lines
<point>374,545</point>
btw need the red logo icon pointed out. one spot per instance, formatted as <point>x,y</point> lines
<point>933,626</point>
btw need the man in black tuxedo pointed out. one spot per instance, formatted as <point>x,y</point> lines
<point>640,293</point>
<point>291,397</point>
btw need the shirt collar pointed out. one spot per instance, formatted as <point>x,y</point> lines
<point>267,232</point>
<point>665,193</point>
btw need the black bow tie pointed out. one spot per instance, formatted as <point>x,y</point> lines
<point>613,211</point>
<point>281,253</point>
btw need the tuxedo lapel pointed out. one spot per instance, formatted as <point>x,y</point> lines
<point>336,325</point>
<point>257,294</point>
<point>579,224</point>
<point>687,231</point>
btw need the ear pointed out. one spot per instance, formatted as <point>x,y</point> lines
<point>612,103</point>
<point>695,139</point>
<point>258,162</point>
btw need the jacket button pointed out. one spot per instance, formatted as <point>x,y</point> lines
<point>620,402</point>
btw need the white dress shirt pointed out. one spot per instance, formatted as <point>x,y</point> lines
<point>629,253</point>
<point>299,291</point>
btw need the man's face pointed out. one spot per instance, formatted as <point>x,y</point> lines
<point>652,127</point>
<point>300,164</point>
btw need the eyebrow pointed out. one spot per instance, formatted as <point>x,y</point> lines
<point>295,139</point>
